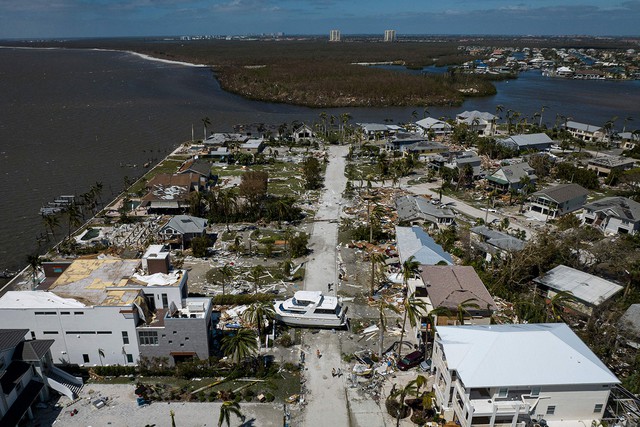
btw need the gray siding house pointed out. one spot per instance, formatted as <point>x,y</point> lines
<point>613,215</point>
<point>558,200</point>
<point>511,177</point>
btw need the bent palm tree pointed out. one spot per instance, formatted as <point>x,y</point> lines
<point>226,409</point>
<point>413,310</point>
<point>256,275</point>
<point>228,273</point>
<point>240,345</point>
<point>382,305</point>
<point>463,308</point>
<point>257,313</point>
<point>377,259</point>
<point>206,122</point>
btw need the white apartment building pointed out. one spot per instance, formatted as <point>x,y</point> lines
<point>389,35</point>
<point>510,375</point>
<point>102,311</point>
<point>334,35</point>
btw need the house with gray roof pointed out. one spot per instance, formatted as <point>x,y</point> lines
<point>454,287</point>
<point>629,326</point>
<point>26,375</point>
<point>375,131</point>
<point>181,229</point>
<point>613,215</point>
<point>415,242</point>
<point>527,142</point>
<point>435,126</point>
<point>510,177</point>
<point>603,165</point>
<point>558,200</point>
<point>417,208</point>
<point>467,158</point>
<point>588,290</point>
<point>494,243</point>
<point>585,132</point>
<point>628,140</point>
<point>480,122</point>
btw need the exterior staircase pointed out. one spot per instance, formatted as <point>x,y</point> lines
<point>64,383</point>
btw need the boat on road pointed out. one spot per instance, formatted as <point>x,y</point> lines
<point>311,309</point>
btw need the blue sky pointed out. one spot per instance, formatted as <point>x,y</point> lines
<point>97,18</point>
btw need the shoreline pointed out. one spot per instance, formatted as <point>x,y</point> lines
<point>140,55</point>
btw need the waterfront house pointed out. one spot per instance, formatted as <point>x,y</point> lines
<point>589,291</point>
<point>479,122</point>
<point>628,140</point>
<point>603,165</point>
<point>375,131</point>
<point>613,215</point>
<point>113,311</point>
<point>303,132</point>
<point>429,126</point>
<point>225,139</point>
<point>585,132</point>
<point>527,142</point>
<point>415,242</point>
<point>169,193</point>
<point>26,375</point>
<point>512,177</point>
<point>415,144</point>
<point>494,243</point>
<point>553,202</point>
<point>452,287</point>
<point>414,209</point>
<point>181,229</point>
<point>497,375</point>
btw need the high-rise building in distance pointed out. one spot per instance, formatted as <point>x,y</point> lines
<point>389,35</point>
<point>334,36</point>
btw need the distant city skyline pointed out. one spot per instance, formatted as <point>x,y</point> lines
<point>111,18</point>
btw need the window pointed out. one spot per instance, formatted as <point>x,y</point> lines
<point>551,410</point>
<point>535,392</point>
<point>104,332</point>
<point>165,301</point>
<point>503,392</point>
<point>598,408</point>
<point>148,337</point>
<point>33,335</point>
<point>85,358</point>
<point>78,313</point>
<point>65,312</point>
<point>125,337</point>
<point>50,332</point>
<point>129,358</point>
<point>18,386</point>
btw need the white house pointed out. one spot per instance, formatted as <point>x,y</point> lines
<point>99,311</point>
<point>499,375</point>
<point>613,215</point>
<point>482,123</point>
<point>437,127</point>
<point>585,132</point>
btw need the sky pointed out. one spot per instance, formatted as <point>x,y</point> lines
<point>112,18</point>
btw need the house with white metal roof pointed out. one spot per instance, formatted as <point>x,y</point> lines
<point>497,375</point>
<point>437,127</point>
<point>527,142</point>
<point>558,200</point>
<point>415,242</point>
<point>613,215</point>
<point>585,132</point>
<point>589,290</point>
<point>482,123</point>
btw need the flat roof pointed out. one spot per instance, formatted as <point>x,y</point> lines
<point>37,299</point>
<point>521,355</point>
<point>585,287</point>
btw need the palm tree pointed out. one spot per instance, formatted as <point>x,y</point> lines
<point>226,409</point>
<point>463,308</point>
<point>382,305</point>
<point>34,262</point>
<point>376,259</point>
<point>541,113</point>
<point>237,243</point>
<point>73,217</point>
<point>256,275</point>
<point>399,395</point>
<point>414,309</point>
<point>51,222</point>
<point>227,272</point>
<point>206,122</point>
<point>229,201</point>
<point>173,418</point>
<point>555,305</point>
<point>101,355</point>
<point>240,345</point>
<point>257,313</point>
<point>624,126</point>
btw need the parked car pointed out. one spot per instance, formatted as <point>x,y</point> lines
<point>411,360</point>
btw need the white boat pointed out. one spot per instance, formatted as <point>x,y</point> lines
<point>311,309</point>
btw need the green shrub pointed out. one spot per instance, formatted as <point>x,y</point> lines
<point>285,340</point>
<point>269,397</point>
